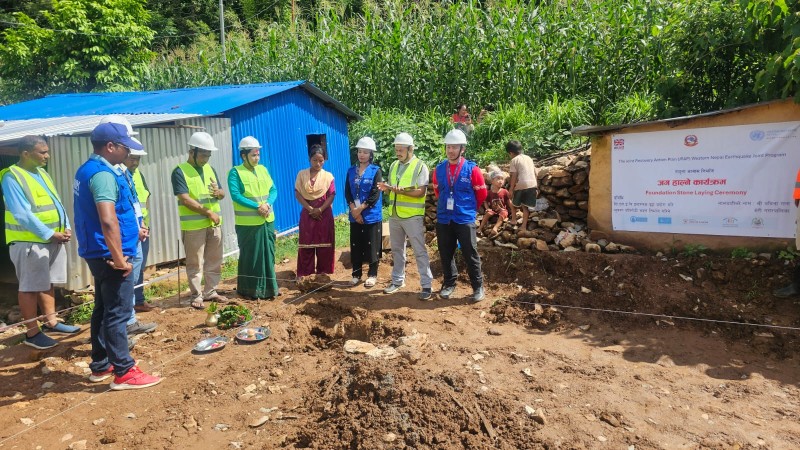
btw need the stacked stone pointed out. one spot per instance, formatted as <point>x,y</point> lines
<point>564,183</point>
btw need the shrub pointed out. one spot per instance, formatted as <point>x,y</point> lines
<point>740,253</point>
<point>383,125</point>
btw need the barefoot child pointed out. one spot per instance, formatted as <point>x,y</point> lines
<point>523,184</point>
<point>497,203</point>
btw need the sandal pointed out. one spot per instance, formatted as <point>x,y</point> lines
<point>217,298</point>
<point>197,303</point>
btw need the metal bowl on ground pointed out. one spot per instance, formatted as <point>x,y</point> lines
<point>251,335</point>
<point>210,344</point>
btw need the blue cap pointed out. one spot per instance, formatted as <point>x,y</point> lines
<point>116,133</point>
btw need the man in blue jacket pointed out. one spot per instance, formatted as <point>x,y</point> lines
<point>460,189</point>
<point>107,230</point>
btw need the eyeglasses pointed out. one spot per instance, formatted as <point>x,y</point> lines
<point>124,147</point>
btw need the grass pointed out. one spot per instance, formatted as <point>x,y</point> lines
<point>740,253</point>
<point>81,314</point>
<point>285,247</point>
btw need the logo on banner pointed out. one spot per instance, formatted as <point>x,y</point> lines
<point>619,144</point>
<point>757,222</point>
<point>665,220</point>
<point>640,219</point>
<point>730,222</point>
<point>757,135</point>
<point>695,222</point>
<point>690,140</point>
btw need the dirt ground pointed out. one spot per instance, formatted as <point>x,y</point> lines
<point>512,372</point>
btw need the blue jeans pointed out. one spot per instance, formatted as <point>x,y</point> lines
<point>137,268</point>
<point>112,308</point>
<point>139,291</point>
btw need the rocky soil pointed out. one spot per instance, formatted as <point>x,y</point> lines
<point>548,360</point>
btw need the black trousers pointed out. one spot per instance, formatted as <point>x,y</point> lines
<point>366,242</point>
<point>449,236</point>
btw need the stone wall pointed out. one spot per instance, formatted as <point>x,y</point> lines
<point>559,221</point>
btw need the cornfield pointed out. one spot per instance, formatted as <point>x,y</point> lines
<point>432,55</point>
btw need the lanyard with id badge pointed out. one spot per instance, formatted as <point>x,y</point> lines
<point>357,183</point>
<point>451,181</point>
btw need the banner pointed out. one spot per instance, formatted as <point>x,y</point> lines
<point>726,181</point>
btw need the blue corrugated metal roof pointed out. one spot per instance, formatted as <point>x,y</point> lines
<point>205,101</point>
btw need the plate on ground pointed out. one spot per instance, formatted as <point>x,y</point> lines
<point>210,344</point>
<point>250,335</point>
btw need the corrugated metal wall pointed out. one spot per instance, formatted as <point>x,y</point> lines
<point>166,148</point>
<point>281,124</point>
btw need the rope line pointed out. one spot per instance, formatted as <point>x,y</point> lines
<point>342,283</point>
<point>335,282</point>
<point>94,396</point>
<point>633,313</point>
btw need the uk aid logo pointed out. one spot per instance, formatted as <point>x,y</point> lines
<point>619,144</point>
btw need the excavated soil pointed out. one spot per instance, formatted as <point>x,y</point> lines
<point>569,350</point>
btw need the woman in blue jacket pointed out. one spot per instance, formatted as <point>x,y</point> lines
<point>366,216</point>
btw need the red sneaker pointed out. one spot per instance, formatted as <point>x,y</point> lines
<point>97,377</point>
<point>134,379</point>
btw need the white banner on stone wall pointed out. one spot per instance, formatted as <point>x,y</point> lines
<point>727,181</point>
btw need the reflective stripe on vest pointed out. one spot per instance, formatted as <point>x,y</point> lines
<point>198,190</point>
<point>42,205</point>
<point>256,188</point>
<point>142,194</point>
<point>797,187</point>
<point>405,206</point>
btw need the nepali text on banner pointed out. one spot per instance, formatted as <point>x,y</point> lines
<point>726,181</point>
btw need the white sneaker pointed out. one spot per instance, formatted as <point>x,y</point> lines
<point>355,281</point>
<point>370,282</point>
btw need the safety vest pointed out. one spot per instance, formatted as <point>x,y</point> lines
<point>142,193</point>
<point>361,191</point>
<point>43,205</point>
<point>256,188</point>
<point>91,241</point>
<point>198,190</point>
<point>797,187</point>
<point>464,208</point>
<point>404,205</point>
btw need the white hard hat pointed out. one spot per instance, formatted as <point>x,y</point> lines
<point>455,137</point>
<point>135,152</point>
<point>404,139</point>
<point>366,143</point>
<point>203,141</point>
<point>249,142</point>
<point>115,118</point>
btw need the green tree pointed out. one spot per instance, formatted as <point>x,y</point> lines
<point>710,61</point>
<point>775,28</point>
<point>78,45</point>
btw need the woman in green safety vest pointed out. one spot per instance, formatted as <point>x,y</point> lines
<point>253,194</point>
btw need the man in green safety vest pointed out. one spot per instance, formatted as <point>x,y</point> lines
<point>408,183</point>
<point>196,185</point>
<point>253,194</point>
<point>143,194</point>
<point>37,228</point>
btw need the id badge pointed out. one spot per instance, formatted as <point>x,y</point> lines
<point>357,202</point>
<point>137,208</point>
<point>450,203</point>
